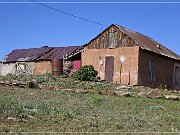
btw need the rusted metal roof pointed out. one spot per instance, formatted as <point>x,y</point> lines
<point>44,53</point>
<point>144,42</point>
<point>149,44</point>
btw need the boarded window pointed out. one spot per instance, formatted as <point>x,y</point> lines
<point>151,71</point>
<point>113,40</point>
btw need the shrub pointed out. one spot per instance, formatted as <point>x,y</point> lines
<point>86,73</point>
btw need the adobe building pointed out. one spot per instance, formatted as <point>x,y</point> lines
<point>124,56</point>
<point>42,60</point>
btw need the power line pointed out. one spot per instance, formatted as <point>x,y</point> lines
<point>72,15</point>
<point>95,2</point>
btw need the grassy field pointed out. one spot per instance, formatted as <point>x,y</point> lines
<point>35,110</point>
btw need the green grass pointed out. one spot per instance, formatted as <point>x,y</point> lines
<point>60,111</point>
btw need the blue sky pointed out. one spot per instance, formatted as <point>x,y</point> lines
<point>28,25</point>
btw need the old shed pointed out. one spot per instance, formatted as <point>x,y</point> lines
<point>38,60</point>
<point>121,55</point>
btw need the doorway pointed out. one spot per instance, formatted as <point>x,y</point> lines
<point>109,68</point>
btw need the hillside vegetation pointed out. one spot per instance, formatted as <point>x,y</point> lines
<point>63,110</point>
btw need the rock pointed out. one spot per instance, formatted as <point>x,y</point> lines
<point>31,110</point>
<point>69,90</point>
<point>123,87</point>
<point>31,117</point>
<point>11,118</point>
<point>93,91</point>
<point>18,83</point>
<point>2,82</point>
<point>33,84</point>
<point>106,92</point>
<point>46,87</point>
<point>77,81</point>
<point>122,93</point>
<point>8,83</point>
<point>172,97</point>
<point>22,86</point>
<point>82,91</point>
<point>24,120</point>
<point>175,91</point>
<point>142,94</point>
<point>154,94</point>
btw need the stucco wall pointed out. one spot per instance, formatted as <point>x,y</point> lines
<point>10,68</point>
<point>7,68</point>
<point>163,70</point>
<point>130,65</point>
<point>37,68</point>
<point>42,67</point>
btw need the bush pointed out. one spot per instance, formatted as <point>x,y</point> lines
<point>86,73</point>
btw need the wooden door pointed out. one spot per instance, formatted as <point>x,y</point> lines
<point>109,68</point>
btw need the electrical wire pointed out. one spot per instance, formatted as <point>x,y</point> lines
<point>78,17</point>
<point>72,15</point>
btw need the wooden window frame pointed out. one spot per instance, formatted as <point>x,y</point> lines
<point>151,76</point>
<point>113,39</point>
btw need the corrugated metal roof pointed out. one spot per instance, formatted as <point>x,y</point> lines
<point>149,44</point>
<point>144,42</point>
<point>44,53</point>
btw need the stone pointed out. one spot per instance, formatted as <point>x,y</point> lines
<point>123,87</point>
<point>106,92</point>
<point>175,91</point>
<point>8,83</point>
<point>2,82</point>
<point>33,84</point>
<point>93,91</point>
<point>82,91</point>
<point>154,94</point>
<point>122,93</point>
<point>172,97</point>
<point>31,117</point>
<point>11,118</point>
<point>21,86</point>
<point>31,110</point>
<point>141,94</point>
<point>69,90</point>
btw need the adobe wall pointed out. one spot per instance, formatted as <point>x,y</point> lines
<point>163,70</point>
<point>42,67</point>
<point>7,68</point>
<point>130,65</point>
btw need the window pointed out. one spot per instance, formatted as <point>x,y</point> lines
<point>176,76</point>
<point>151,71</point>
<point>113,39</point>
